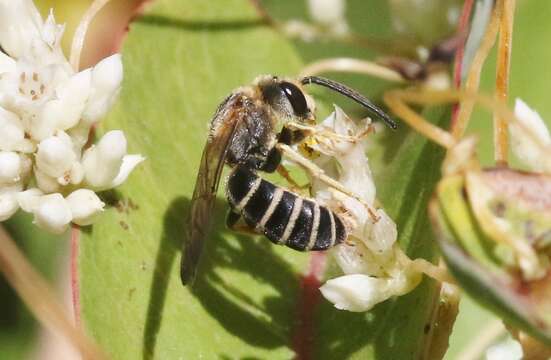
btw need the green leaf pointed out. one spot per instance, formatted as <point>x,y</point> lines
<point>181,59</point>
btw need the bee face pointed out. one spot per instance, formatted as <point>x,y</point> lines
<point>286,99</point>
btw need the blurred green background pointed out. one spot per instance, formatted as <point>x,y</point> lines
<point>530,80</point>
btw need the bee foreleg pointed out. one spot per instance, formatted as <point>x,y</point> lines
<point>319,174</point>
<point>325,134</point>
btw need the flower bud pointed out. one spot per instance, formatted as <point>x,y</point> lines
<point>53,213</point>
<point>531,141</point>
<point>85,205</point>
<point>106,82</point>
<point>29,199</point>
<point>44,182</point>
<point>8,205</point>
<point>12,134</point>
<point>10,167</point>
<point>55,156</point>
<point>102,163</point>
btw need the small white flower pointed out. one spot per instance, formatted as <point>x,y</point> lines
<point>106,83</point>
<point>102,162</point>
<point>8,201</point>
<point>530,141</point>
<point>55,156</point>
<point>29,199</point>
<point>358,292</point>
<point>10,167</point>
<point>12,133</point>
<point>46,183</point>
<point>85,205</point>
<point>65,109</point>
<point>355,292</point>
<point>508,349</point>
<point>53,213</point>
<point>329,13</point>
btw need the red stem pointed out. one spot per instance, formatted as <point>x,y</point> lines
<point>309,298</point>
<point>458,66</point>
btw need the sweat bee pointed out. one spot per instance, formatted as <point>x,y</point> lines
<point>244,132</point>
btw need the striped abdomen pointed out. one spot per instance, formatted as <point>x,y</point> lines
<point>284,217</point>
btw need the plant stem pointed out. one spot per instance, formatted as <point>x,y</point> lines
<point>462,32</point>
<point>473,78</point>
<point>343,64</point>
<point>501,140</point>
<point>80,32</point>
<point>39,298</point>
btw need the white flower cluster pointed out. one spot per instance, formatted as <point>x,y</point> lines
<point>375,267</point>
<point>46,112</point>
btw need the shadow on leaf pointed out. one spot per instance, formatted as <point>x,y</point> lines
<point>264,323</point>
<point>228,256</point>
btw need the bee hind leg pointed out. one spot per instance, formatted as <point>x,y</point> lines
<point>233,223</point>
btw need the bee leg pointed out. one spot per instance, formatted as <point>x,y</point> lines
<point>293,133</point>
<point>232,218</point>
<point>322,135</point>
<point>319,174</point>
<point>272,161</point>
<point>232,222</point>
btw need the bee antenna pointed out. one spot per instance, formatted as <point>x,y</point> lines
<point>352,94</point>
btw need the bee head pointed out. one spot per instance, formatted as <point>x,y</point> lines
<point>287,99</point>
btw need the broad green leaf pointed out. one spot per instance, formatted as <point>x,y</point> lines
<point>181,59</point>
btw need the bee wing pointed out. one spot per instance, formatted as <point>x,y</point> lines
<point>223,125</point>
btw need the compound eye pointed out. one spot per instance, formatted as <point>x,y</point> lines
<point>296,98</point>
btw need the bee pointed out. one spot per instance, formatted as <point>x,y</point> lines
<point>244,132</point>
